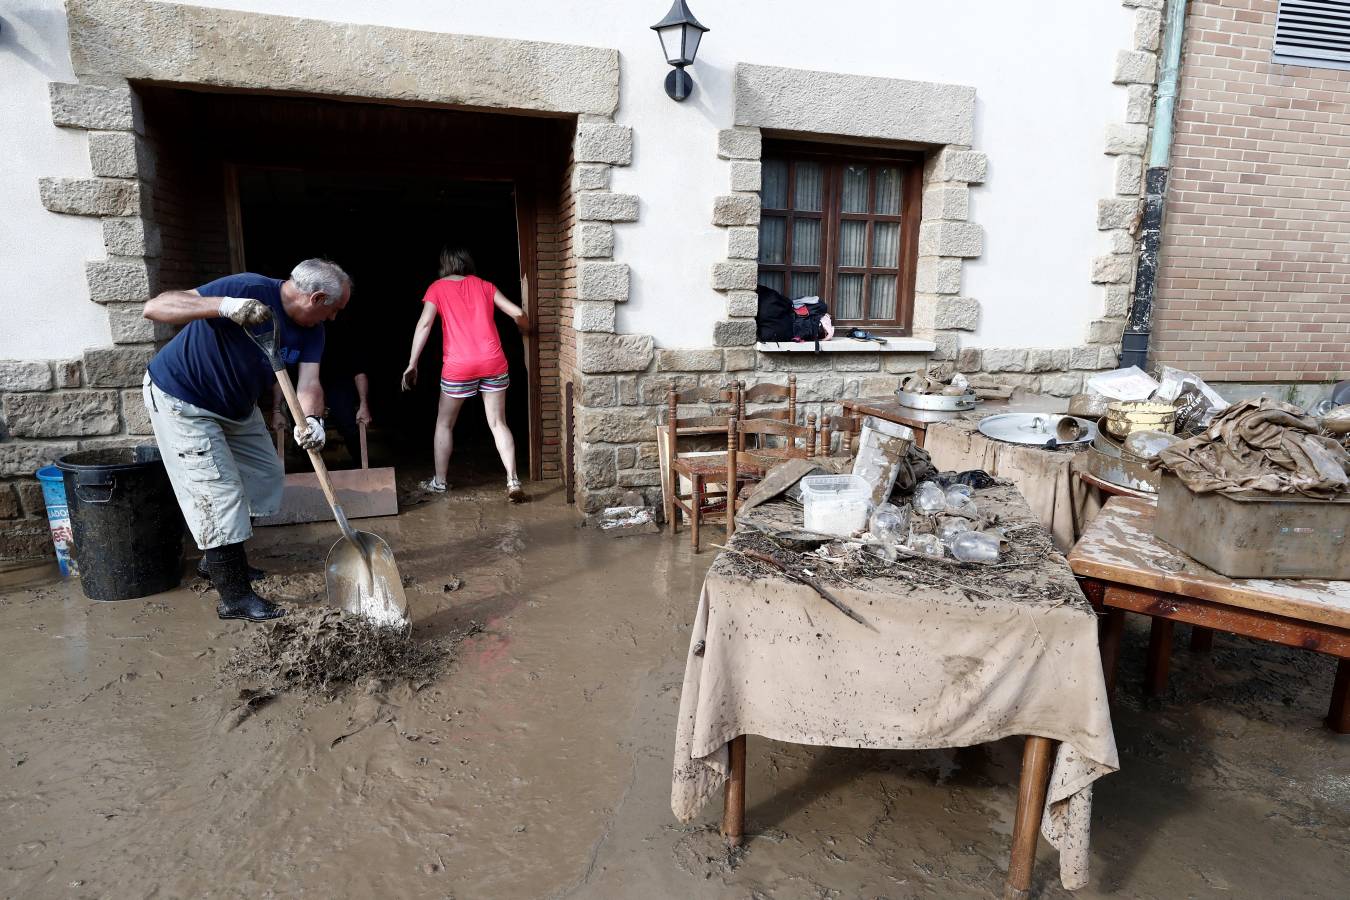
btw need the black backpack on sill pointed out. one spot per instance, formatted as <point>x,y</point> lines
<point>778,321</point>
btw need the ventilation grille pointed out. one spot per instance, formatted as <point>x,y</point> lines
<point>1313,33</point>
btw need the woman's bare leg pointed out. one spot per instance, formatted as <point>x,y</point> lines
<point>494,404</point>
<point>444,442</point>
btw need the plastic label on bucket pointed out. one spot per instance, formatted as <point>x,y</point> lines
<point>58,518</point>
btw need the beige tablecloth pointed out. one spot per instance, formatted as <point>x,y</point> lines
<point>945,668</point>
<point>1061,502</point>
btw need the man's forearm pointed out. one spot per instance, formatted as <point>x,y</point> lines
<point>181,307</point>
<point>311,399</point>
<point>362,382</point>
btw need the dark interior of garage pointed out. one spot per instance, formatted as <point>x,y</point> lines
<point>258,183</point>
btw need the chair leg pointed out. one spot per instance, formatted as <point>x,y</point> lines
<point>695,509</point>
<point>673,485</point>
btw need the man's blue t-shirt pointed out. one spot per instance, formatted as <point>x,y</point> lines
<point>212,364</point>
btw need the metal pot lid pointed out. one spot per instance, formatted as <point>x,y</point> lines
<point>1036,429</point>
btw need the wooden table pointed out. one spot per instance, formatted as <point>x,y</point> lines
<point>1124,568</point>
<point>770,657</point>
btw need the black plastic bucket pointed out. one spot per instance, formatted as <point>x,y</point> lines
<point>127,529</point>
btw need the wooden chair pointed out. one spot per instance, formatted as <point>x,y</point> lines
<point>847,427</point>
<point>731,469</point>
<point>692,426</point>
<point>759,460</point>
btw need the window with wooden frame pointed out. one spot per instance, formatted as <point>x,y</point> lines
<point>842,224</point>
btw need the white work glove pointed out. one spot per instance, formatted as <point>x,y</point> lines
<point>243,311</point>
<point>310,436</point>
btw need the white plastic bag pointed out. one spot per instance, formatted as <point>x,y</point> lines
<point>1131,383</point>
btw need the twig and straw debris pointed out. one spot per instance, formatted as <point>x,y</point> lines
<point>322,650</point>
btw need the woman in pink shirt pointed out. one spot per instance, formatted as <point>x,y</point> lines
<point>473,360</point>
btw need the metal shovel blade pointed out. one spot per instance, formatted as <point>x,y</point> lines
<point>363,579</point>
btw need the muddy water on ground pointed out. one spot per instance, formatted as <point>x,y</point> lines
<point>539,765</point>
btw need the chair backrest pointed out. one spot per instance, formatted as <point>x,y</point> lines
<point>789,432</point>
<point>848,427</point>
<point>768,392</point>
<point>728,394</point>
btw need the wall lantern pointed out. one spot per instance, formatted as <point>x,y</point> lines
<point>680,34</point>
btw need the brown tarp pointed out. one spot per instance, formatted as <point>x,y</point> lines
<point>1264,446</point>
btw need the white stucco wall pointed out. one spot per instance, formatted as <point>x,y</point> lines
<point>45,311</point>
<point>1042,74</point>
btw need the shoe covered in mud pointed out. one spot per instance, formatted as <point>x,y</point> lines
<point>254,573</point>
<point>432,486</point>
<point>514,492</point>
<point>251,607</point>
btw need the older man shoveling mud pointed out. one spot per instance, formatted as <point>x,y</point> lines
<point>201,391</point>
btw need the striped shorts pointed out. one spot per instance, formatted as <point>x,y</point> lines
<point>470,388</point>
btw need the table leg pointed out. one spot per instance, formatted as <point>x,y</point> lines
<point>733,809</point>
<point>1113,634</point>
<point>1338,719</point>
<point>1037,755</point>
<point>1202,639</point>
<point>1159,656</point>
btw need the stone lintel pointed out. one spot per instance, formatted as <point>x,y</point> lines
<point>255,51</point>
<point>853,105</point>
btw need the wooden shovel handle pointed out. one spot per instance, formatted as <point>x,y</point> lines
<point>365,454</point>
<point>298,413</point>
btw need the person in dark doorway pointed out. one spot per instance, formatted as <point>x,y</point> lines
<point>473,362</point>
<point>201,391</point>
<point>346,387</point>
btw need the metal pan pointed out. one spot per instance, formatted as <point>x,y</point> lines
<point>937,402</point>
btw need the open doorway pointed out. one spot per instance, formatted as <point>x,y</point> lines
<point>387,230</point>
<point>258,182</point>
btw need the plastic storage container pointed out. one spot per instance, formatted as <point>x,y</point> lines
<point>128,532</point>
<point>836,504</point>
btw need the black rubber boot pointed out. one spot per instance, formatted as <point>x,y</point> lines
<point>254,573</point>
<point>229,574</point>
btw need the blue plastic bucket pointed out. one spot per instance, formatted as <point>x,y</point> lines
<point>58,516</point>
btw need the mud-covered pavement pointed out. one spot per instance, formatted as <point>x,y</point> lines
<point>538,765</point>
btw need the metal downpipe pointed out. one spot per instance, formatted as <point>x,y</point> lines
<point>1134,345</point>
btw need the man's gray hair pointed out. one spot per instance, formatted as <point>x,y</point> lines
<point>321,275</point>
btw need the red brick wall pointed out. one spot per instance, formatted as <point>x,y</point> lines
<point>550,252</point>
<point>557,341</point>
<point>1255,268</point>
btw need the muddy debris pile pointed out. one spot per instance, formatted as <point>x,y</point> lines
<point>324,651</point>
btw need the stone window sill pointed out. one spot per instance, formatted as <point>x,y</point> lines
<point>848,345</point>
